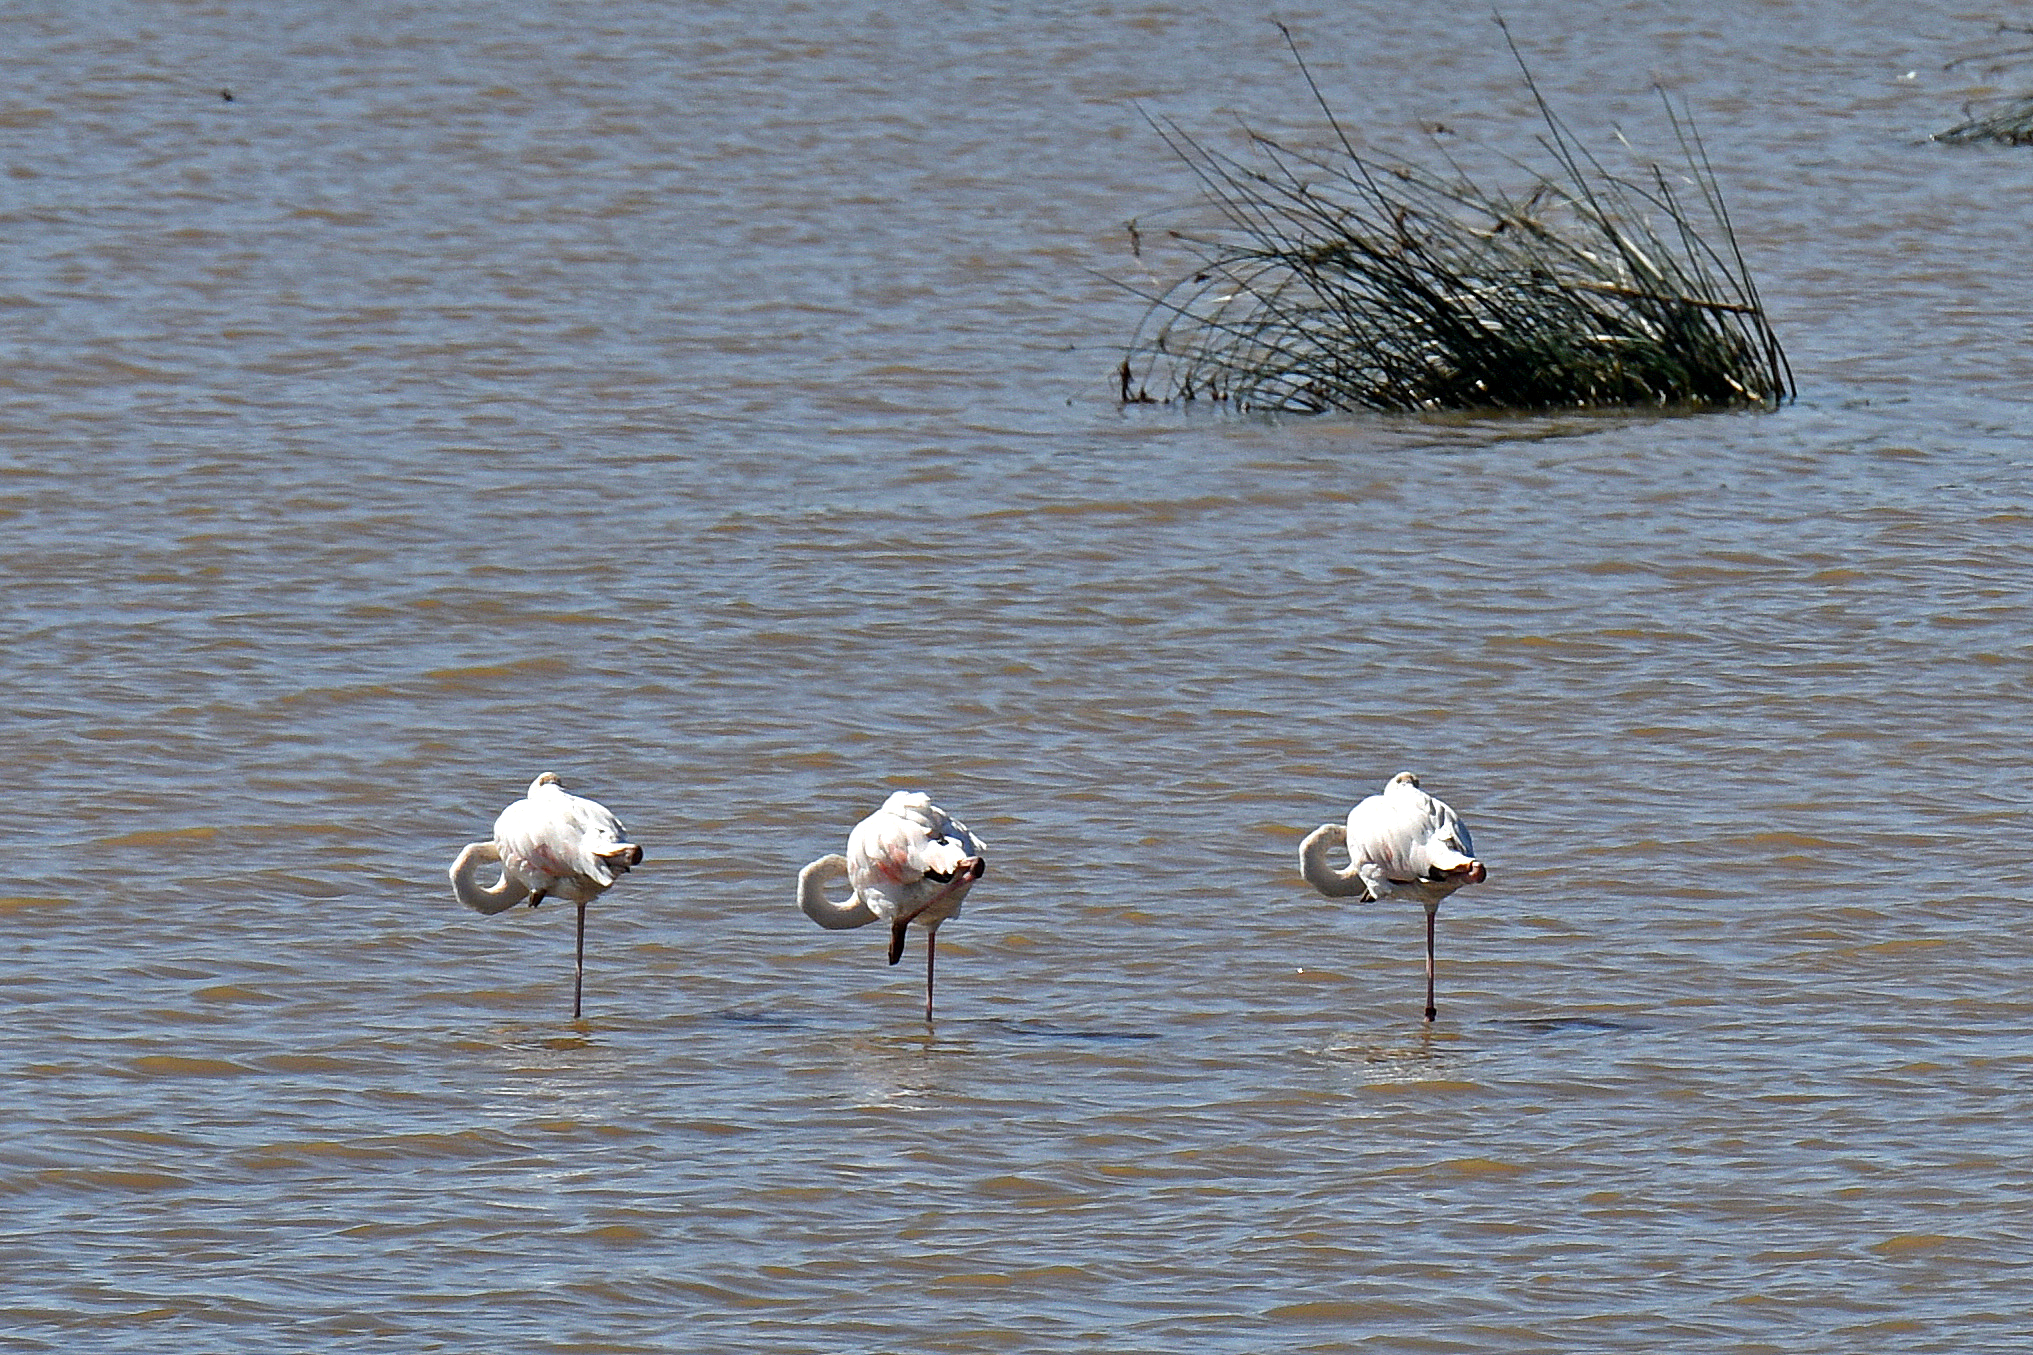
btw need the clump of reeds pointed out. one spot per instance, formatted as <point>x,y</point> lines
<point>2010,123</point>
<point>1338,280</point>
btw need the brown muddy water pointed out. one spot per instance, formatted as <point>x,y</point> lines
<point>711,404</point>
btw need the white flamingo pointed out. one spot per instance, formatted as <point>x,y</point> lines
<point>1402,841</point>
<point>909,861</point>
<point>549,842</point>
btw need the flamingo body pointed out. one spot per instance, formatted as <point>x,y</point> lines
<point>549,843</point>
<point>910,861</point>
<point>1400,841</point>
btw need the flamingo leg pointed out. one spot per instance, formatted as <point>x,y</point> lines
<point>1431,1011</point>
<point>931,949</point>
<point>579,962</point>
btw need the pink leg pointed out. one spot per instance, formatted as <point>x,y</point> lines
<point>931,949</point>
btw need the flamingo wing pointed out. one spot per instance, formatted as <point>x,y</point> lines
<point>1404,836</point>
<point>538,845</point>
<point>551,838</point>
<point>602,849</point>
<point>907,841</point>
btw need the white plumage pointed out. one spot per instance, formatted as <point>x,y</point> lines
<point>550,842</point>
<point>910,861</point>
<point>1401,841</point>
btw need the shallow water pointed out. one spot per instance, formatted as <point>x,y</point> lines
<point>716,410</point>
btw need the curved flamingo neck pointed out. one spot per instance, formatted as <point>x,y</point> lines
<point>1313,864</point>
<point>503,894</point>
<point>812,881</point>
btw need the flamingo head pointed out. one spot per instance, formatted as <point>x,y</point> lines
<point>946,862</point>
<point>1447,864</point>
<point>1448,859</point>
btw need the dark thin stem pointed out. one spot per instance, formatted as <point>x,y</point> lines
<point>579,962</point>
<point>1431,1010</point>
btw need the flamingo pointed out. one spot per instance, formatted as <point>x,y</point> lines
<point>548,842</point>
<point>909,861</point>
<point>1402,841</point>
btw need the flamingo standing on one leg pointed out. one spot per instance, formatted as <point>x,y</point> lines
<point>909,861</point>
<point>1402,841</point>
<point>549,842</point>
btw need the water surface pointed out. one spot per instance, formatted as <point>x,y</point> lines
<point>715,409</point>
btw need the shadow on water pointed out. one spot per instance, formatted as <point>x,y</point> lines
<point>764,1020</point>
<point>1027,1030</point>
<point>1557,1025</point>
<point>1031,1031</point>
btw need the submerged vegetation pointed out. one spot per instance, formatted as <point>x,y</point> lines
<point>1343,280</point>
<point>2011,122</point>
